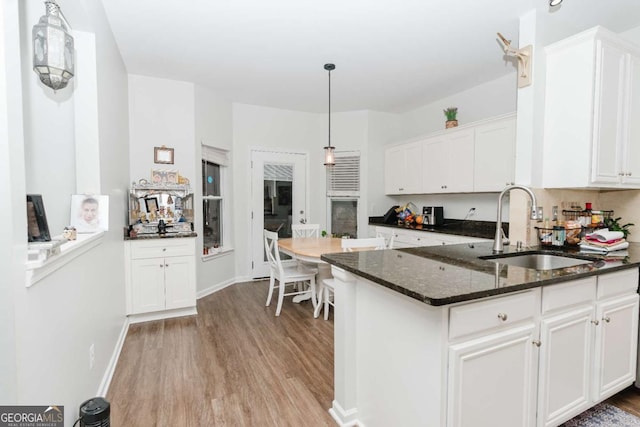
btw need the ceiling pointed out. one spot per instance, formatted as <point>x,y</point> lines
<point>389,56</point>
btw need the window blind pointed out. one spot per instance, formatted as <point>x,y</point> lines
<point>278,172</point>
<point>343,179</point>
<point>215,155</point>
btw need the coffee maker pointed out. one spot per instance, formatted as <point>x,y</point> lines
<point>433,215</point>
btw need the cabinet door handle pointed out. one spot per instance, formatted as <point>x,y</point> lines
<point>400,189</point>
<point>164,249</point>
<point>595,322</point>
<point>161,265</point>
<point>501,316</point>
<point>628,173</point>
<point>537,343</point>
<point>606,319</point>
<point>620,173</point>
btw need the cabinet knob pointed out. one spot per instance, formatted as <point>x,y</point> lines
<point>166,265</point>
<point>606,319</point>
<point>501,316</point>
<point>595,322</point>
<point>620,173</point>
<point>400,189</point>
<point>161,265</point>
<point>537,343</point>
<point>164,249</point>
<point>628,173</point>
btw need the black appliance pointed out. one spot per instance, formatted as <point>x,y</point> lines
<point>95,413</point>
<point>433,215</point>
<point>391,217</point>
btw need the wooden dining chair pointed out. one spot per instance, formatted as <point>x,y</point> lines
<point>305,230</point>
<point>286,275</point>
<point>327,286</point>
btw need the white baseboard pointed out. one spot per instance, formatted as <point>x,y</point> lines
<point>159,315</point>
<point>113,362</point>
<point>344,418</point>
<point>215,288</point>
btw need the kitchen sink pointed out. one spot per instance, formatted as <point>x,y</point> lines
<point>538,261</point>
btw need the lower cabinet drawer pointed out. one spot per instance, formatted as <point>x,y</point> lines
<point>153,248</point>
<point>493,314</point>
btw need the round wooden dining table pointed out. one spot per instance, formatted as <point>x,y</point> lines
<point>309,249</point>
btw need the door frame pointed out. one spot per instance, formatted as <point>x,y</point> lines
<point>275,150</point>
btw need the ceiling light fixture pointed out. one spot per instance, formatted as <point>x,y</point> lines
<point>554,3</point>
<point>329,158</point>
<point>53,48</point>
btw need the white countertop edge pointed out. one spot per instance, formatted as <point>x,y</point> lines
<point>38,270</point>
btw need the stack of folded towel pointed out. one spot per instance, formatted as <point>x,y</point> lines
<point>604,241</point>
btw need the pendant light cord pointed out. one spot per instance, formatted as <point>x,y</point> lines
<point>329,108</point>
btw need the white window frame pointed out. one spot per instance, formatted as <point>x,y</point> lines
<point>340,195</point>
<point>222,158</point>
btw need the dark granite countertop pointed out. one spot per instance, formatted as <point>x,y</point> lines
<point>480,229</point>
<point>440,275</point>
<point>161,236</point>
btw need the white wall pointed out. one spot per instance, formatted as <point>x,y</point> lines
<point>265,127</point>
<point>486,100</point>
<point>12,192</point>
<point>213,124</point>
<point>161,112</point>
<point>58,318</point>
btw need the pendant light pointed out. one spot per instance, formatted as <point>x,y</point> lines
<point>53,48</point>
<point>329,158</point>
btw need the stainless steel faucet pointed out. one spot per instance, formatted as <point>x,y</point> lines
<point>498,246</point>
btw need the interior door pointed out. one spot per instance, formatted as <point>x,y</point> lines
<point>278,199</point>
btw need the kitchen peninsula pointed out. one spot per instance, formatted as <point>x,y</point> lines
<point>452,336</point>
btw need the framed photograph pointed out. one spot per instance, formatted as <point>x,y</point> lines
<point>89,213</point>
<point>151,204</point>
<point>164,176</point>
<point>38,229</point>
<point>163,155</point>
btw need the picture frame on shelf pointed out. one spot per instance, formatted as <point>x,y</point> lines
<point>89,213</point>
<point>151,204</point>
<point>37,226</point>
<point>164,177</point>
<point>163,155</point>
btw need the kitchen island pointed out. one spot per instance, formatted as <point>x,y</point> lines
<point>442,336</point>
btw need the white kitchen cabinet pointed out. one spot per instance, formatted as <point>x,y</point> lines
<point>447,161</point>
<point>591,95</point>
<point>161,276</point>
<point>616,345</point>
<point>588,344</point>
<point>402,169</point>
<point>494,155</point>
<point>491,375</point>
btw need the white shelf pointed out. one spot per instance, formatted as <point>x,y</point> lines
<point>38,270</point>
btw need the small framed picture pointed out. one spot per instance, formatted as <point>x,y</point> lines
<point>38,229</point>
<point>164,176</point>
<point>151,204</point>
<point>163,155</point>
<point>89,213</point>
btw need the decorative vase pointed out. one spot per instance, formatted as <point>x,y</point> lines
<point>451,124</point>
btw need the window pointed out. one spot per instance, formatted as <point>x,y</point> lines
<point>214,164</point>
<point>343,190</point>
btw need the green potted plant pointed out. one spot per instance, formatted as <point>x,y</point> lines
<point>451,114</point>
<point>613,225</point>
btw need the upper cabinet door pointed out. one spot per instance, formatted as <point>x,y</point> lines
<point>631,146</point>
<point>403,169</point>
<point>434,162</point>
<point>608,115</point>
<point>494,155</point>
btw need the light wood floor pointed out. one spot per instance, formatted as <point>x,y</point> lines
<point>236,364</point>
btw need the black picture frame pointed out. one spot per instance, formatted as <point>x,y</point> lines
<point>151,204</point>
<point>37,226</point>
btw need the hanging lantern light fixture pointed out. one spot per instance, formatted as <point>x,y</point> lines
<point>53,58</point>
<point>329,158</point>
